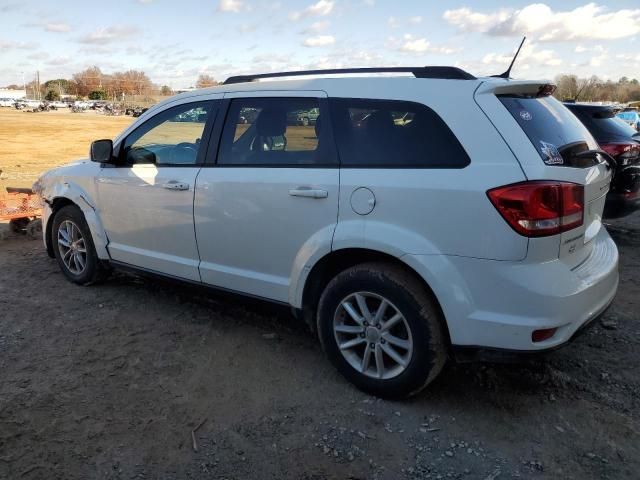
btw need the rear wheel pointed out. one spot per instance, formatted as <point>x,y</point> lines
<point>74,249</point>
<point>381,330</point>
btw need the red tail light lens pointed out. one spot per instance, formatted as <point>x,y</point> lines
<point>625,153</point>
<point>540,208</point>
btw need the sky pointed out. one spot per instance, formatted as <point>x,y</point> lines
<point>174,41</point>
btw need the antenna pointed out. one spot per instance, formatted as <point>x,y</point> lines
<point>507,73</point>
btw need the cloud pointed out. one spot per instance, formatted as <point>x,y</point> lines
<point>109,35</point>
<point>529,56</point>
<point>271,58</point>
<point>421,45</point>
<point>57,27</point>
<point>319,41</point>
<point>418,46</point>
<point>415,20</point>
<point>320,9</point>
<point>58,61</point>
<point>234,6</point>
<point>10,45</point>
<point>247,28</point>
<point>583,49</point>
<point>590,21</point>
<point>316,27</point>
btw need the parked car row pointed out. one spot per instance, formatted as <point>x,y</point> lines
<point>622,142</point>
<point>630,117</point>
<point>403,237</point>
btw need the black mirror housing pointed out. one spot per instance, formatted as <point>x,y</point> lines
<point>102,151</point>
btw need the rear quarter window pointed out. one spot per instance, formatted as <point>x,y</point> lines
<point>553,130</point>
<point>393,134</point>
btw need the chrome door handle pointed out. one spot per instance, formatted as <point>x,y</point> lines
<point>175,185</point>
<point>308,192</point>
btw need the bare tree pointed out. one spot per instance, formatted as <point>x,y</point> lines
<point>205,81</point>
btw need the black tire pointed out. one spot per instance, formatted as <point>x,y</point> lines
<point>17,225</point>
<point>94,269</point>
<point>411,299</point>
<point>34,229</point>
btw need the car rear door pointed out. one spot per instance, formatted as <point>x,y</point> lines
<point>270,201</point>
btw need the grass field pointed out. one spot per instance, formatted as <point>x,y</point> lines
<point>31,143</point>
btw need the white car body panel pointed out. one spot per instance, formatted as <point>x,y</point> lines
<point>250,230</point>
<point>148,225</point>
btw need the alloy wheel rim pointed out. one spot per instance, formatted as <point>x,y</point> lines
<point>373,335</point>
<point>72,247</point>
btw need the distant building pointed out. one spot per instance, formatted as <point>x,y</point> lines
<point>15,94</point>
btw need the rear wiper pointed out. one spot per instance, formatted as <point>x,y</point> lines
<point>611,162</point>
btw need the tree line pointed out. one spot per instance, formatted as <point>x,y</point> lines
<point>594,89</point>
<point>94,84</point>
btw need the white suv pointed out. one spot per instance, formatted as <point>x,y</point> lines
<point>419,216</point>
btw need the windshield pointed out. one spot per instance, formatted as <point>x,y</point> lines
<point>553,130</point>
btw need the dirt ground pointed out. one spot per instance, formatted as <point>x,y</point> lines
<point>109,381</point>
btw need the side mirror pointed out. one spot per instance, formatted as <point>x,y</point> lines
<point>102,151</point>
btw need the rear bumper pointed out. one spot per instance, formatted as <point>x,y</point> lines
<point>467,353</point>
<point>498,305</point>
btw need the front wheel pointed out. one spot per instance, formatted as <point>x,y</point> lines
<point>381,330</point>
<point>74,249</point>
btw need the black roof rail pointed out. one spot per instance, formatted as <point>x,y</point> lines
<point>449,73</point>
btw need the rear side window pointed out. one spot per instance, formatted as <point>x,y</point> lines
<point>554,131</point>
<point>393,134</point>
<point>275,132</point>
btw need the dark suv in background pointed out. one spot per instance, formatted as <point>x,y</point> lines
<point>622,142</point>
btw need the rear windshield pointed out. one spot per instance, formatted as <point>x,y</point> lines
<point>603,124</point>
<point>553,130</point>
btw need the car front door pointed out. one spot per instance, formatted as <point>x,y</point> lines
<point>146,200</point>
<point>272,197</point>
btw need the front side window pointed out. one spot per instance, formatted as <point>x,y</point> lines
<point>274,132</point>
<point>172,137</point>
<point>393,134</point>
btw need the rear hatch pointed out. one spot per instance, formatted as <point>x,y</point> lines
<point>547,140</point>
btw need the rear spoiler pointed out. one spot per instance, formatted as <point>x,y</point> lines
<point>518,87</point>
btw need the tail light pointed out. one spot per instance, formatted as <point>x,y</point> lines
<point>624,153</point>
<point>540,208</point>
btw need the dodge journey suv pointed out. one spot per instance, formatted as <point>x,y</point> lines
<point>419,216</point>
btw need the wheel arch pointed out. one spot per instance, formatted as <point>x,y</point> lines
<point>56,204</point>
<point>337,261</point>
<point>70,194</point>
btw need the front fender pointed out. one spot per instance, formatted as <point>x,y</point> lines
<point>76,194</point>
